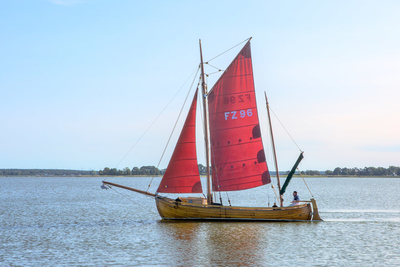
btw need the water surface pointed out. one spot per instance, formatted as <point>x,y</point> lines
<point>47,221</point>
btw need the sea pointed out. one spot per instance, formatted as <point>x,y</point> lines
<point>71,221</point>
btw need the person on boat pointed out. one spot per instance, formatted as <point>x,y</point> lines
<point>296,199</point>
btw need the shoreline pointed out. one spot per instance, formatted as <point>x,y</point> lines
<point>203,176</point>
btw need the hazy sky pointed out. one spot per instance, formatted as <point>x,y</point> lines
<point>81,81</point>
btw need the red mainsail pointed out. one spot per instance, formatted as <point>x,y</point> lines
<point>182,174</point>
<point>237,153</point>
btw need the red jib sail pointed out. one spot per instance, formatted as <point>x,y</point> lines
<point>182,174</point>
<point>237,153</point>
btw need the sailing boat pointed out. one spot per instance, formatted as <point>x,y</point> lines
<point>234,153</point>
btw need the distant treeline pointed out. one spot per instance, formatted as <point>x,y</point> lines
<point>154,171</point>
<point>367,171</point>
<point>144,170</point>
<point>44,172</point>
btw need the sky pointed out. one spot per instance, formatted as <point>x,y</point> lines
<point>81,81</point>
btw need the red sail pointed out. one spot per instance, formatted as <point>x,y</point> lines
<point>237,153</point>
<point>182,174</point>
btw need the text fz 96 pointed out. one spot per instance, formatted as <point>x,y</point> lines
<point>233,115</point>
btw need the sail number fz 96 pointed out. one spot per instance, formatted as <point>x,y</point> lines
<point>233,115</point>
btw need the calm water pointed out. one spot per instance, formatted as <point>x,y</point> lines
<point>72,222</point>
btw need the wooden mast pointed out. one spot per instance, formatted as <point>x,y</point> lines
<point>273,147</point>
<point>206,134</point>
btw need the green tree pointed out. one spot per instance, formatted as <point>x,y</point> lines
<point>106,171</point>
<point>311,172</point>
<point>135,171</point>
<point>126,171</point>
<point>337,171</point>
<point>113,171</point>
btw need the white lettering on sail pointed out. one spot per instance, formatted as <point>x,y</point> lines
<point>226,115</point>
<point>232,115</point>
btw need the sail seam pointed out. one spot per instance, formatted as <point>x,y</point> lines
<point>242,75</point>
<point>177,177</point>
<point>242,92</point>
<point>185,159</point>
<point>239,144</point>
<point>236,127</point>
<point>233,162</point>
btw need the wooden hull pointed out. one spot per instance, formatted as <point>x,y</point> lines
<point>171,210</point>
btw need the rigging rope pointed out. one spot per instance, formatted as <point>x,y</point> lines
<point>305,183</point>
<point>173,129</point>
<point>158,116</point>
<point>285,129</point>
<point>219,70</point>
<point>213,73</point>
<point>214,67</point>
<point>123,195</point>
<point>227,50</point>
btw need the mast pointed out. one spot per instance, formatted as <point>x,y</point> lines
<point>273,147</point>
<point>206,135</point>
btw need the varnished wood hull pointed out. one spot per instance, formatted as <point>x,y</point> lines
<point>171,210</point>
